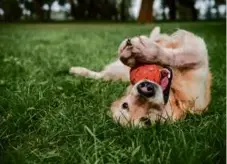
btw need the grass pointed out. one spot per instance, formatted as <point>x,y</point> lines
<point>47,116</point>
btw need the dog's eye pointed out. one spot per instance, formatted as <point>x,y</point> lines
<point>125,106</point>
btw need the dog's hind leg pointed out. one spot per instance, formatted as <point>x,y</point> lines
<point>114,71</point>
<point>85,72</point>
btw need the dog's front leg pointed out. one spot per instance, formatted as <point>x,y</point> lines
<point>190,53</point>
<point>187,56</point>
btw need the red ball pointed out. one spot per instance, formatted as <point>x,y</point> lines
<point>149,72</point>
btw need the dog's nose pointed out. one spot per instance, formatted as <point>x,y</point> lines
<point>146,89</point>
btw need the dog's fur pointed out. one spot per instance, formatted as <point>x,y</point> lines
<point>184,52</point>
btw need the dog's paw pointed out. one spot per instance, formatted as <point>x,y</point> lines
<point>78,71</point>
<point>137,50</point>
<point>125,53</point>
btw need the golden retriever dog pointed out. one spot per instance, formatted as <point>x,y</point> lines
<point>185,68</point>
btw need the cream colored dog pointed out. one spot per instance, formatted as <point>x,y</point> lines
<point>145,103</point>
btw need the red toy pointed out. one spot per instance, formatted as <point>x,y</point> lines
<point>150,71</point>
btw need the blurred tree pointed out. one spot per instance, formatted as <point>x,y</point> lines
<point>172,9</point>
<point>217,3</point>
<point>12,11</point>
<point>73,8</point>
<point>173,4</point>
<point>38,6</point>
<point>80,9</point>
<point>145,15</point>
<point>108,9</point>
<point>163,4</point>
<point>124,9</point>
<point>49,3</point>
<point>61,2</point>
<point>191,5</point>
<point>28,5</point>
<point>93,9</point>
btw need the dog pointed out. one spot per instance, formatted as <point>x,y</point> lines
<point>184,58</point>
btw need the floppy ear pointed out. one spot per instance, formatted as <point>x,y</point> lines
<point>165,82</point>
<point>155,33</point>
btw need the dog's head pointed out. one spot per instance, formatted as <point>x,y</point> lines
<point>144,103</point>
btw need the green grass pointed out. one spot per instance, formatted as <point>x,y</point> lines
<point>50,117</point>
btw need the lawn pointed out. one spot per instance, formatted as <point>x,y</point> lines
<point>48,116</point>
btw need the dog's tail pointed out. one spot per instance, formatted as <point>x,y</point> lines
<point>85,72</point>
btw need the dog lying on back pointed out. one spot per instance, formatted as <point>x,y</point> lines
<point>184,58</point>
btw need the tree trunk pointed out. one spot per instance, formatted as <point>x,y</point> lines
<point>145,15</point>
<point>122,10</point>
<point>73,8</point>
<point>92,10</point>
<point>194,13</point>
<point>38,4</point>
<point>163,8</point>
<point>172,9</point>
<point>191,5</point>
<point>49,12</point>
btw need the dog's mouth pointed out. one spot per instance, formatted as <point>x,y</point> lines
<point>165,82</point>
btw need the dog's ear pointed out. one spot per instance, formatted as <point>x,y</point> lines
<point>155,33</point>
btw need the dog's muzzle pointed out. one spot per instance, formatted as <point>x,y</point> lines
<point>146,89</point>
